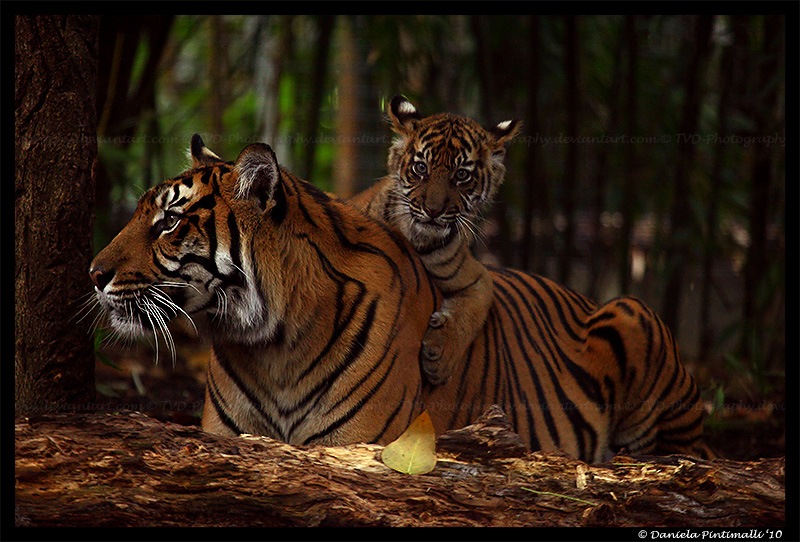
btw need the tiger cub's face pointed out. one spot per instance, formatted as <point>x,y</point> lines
<point>445,168</point>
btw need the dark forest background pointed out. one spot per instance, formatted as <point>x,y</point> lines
<point>651,161</point>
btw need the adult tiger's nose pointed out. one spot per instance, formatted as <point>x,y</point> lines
<point>101,277</point>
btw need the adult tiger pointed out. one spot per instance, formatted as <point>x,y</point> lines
<point>316,313</point>
<point>442,170</point>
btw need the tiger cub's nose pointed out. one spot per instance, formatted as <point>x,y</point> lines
<point>434,209</point>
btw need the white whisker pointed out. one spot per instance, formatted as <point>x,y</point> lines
<point>164,298</point>
<point>142,306</point>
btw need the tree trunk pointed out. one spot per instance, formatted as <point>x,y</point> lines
<point>306,166</point>
<point>629,183</point>
<point>347,117</point>
<point>762,112</point>
<point>710,249</point>
<point>535,190</point>
<point>487,99</point>
<point>598,250</point>
<point>571,66</point>
<point>271,62</point>
<point>698,45</point>
<point>217,72</point>
<point>478,24</point>
<point>127,469</point>
<point>55,151</point>
<point>119,106</point>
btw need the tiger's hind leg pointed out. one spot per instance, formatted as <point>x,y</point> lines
<point>455,325</point>
<point>657,406</point>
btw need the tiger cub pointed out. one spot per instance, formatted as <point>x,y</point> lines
<point>441,170</point>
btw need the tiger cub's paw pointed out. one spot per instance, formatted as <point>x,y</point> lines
<point>439,352</point>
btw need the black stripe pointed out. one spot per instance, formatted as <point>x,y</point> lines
<point>391,418</point>
<point>612,337</point>
<point>335,221</point>
<point>217,402</point>
<point>280,208</point>
<point>494,356</point>
<point>587,383</point>
<point>235,243</point>
<point>208,172</point>
<point>341,320</point>
<point>210,229</point>
<point>437,243</point>
<point>453,273</point>
<point>356,408</point>
<point>209,201</point>
<point>678,407</point>
<point>517,278</point>
<point>659,364</point>
<point>627,309</point>
<point>355,349</point>
<point>255,402</point>
<point>641,444</point>
<point>178,202</point>
<point>647,328</point>
<point>163,270</point>
<point>610,401</point>
<point>176,192</point>
<point>451,293</point>
<point>559,304</point>
<point>509,305</point>
<point>672,433</point>
<point>403,245</point>
<point>301,187</point>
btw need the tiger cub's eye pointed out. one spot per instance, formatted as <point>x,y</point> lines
<point>419,168</point>
<point>462,175</point>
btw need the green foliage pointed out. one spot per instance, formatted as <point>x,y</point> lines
<point>101,335</point>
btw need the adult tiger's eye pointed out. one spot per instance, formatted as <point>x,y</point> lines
<point>171,221</point>
<point>419,168</point>
<point>168,223</point>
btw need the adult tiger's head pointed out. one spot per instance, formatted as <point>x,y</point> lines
<point>315,311</point>
<point>181,253</point>
<point>445,168</point>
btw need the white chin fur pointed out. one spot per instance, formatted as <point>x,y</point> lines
<point>129,328</point>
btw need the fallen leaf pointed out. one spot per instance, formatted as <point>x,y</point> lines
<point>414,452</point>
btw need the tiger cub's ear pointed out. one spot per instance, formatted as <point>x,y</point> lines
<point>258,174</point>
<point>503,133</point>
<point>201,156</point>
<point>403,115</point>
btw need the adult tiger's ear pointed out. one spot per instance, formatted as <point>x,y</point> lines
<point>201,156</point>
<point>503,133</point>
<point>258,174</point>
<point>403,115</point>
